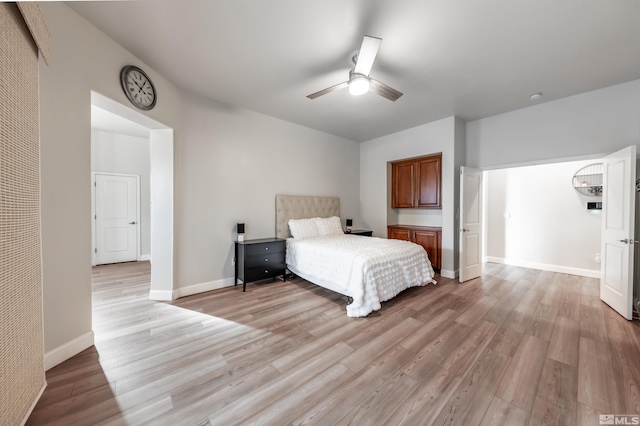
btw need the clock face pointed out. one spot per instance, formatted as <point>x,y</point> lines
<point>138,87</point>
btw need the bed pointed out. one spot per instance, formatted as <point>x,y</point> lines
<point>368,270</point>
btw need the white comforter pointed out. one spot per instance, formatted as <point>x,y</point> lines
<point>370,270</point>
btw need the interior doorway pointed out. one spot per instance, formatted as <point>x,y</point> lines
<point>160,177</point>
<point>545,218</point>
<point>535,218</point>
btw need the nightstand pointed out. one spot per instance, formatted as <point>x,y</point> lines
<point>260,259</point>
<point>362,232</point>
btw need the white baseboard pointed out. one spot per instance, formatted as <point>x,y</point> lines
<point>203,287</point>
<point>545,267</point>
<point>448,273</point>
<point>162,295</point>
<point>168,295</point>
<point>66,351</point>
<point>145,257</point>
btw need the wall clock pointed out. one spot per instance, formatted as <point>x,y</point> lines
<point>138,87</point>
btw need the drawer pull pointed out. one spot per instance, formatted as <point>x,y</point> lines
<point>266,260</point>
<point>266,248</point>
<point>266,272</point>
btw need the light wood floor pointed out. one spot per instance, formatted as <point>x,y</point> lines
<point>516,347</point>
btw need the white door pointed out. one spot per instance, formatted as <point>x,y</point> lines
<point>470,224</point>
<point>618,215</point>
<point>116,216</point>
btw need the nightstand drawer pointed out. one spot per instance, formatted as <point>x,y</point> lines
<point>264,248</point>
<point>264,259</point>
<point>263,272</point>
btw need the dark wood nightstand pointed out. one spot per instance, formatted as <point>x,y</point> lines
<point>260,259</point>
<point>362,232</point>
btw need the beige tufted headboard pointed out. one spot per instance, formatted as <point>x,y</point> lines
<point>301,207</point>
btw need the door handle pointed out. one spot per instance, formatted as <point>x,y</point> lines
<point>629,241</point>
<point>132,223</point>
<point>464,230</point>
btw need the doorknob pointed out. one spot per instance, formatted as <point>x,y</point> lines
<point>626,241</point>
<point>132,223</point>
<point>464,230</point>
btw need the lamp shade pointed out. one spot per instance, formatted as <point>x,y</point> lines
<point>240,228</point>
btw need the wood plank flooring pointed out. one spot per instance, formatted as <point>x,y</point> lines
<point>515,347</point>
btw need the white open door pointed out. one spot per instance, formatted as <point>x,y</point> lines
<point>618,216</point>
<point>116,221</point>
<point>470,224</point>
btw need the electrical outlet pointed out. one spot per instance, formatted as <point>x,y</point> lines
<point>598,258</point>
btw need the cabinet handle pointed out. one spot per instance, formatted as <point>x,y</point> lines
<point>266,260</point>
<point>266,272</point>
<point>266,248</point>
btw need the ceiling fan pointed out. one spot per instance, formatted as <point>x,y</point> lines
<point>359,81</point>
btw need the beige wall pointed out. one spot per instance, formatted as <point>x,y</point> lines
<point>83,59</point>
<point>229,163</point>
<point>233,163</point>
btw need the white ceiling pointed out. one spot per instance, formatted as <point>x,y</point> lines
<point>470,58</point>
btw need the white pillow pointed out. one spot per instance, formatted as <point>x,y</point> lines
<point>303,228</point>
<point>329,226</point>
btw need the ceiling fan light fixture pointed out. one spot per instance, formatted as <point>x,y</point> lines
<point>358,84</point>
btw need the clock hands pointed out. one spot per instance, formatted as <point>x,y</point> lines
<point>142,89</point>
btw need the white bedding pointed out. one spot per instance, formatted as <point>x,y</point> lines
<point>368,269</point>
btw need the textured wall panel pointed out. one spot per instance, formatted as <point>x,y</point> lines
<point>21,345</point>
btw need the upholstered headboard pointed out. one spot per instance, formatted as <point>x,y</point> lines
<point>301,207</point>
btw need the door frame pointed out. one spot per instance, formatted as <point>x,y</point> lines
<point>94,240</point>
<point>161,196</point>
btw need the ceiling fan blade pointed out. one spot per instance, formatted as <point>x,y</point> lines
<point>328,90</point>
<point>384,90</point>
<point>367,54</point>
